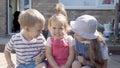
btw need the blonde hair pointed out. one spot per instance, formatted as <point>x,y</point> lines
<point>59,17</point>
<point>94,53</point>
<point>29,17</point>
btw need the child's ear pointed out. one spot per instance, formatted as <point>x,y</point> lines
<point>26,28</point>
<point>43,28</point>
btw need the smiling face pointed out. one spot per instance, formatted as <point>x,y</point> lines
<point>58,26</point>
<point>57,30</point>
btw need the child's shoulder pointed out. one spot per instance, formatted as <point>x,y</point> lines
<point>49,39</point>
<point>69,37</point>
<point>17,35</point>
<point>41,36</point>
<point>103,44</point>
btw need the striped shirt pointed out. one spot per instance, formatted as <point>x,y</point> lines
<point>26,51</point>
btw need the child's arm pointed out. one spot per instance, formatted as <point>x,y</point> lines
<point>81,59</point>
<point>70,57</point>
<point>40,59</point>
<point>50,57</point>
<point>8,59</point>
<point>105,64</point>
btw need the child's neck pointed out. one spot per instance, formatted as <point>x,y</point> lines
<point>59,37</point>
<point>26,36</point>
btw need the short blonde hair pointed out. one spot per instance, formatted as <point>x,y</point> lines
<point>29,17</point>
<point>59,17</point>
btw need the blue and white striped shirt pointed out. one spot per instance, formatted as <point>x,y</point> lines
<point>26,51</point>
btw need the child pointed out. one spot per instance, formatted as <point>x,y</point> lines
<point>90,46</point>
<point>60,46</point>
<point>29,43</point>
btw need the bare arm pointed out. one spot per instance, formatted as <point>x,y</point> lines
<point>43,56</point>
<point>105,64</point>
<point>70,57</point>
<point>50,57</point>
<point>8,59</point>
<point>81,59</point>
<point>84,61</point>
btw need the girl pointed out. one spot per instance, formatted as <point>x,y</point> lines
<point>60,46</point>
<point>90,46</point>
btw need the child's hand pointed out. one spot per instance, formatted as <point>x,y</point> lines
<point>38,60</point>
<point>81,59</point>
<point>11,65</point>
<point>57,67</point>
<point>64,66</point>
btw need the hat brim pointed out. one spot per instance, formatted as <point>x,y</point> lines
<point>82,34</point>
<point>72,24</point>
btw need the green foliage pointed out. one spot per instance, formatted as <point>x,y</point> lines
<point>100,29</point>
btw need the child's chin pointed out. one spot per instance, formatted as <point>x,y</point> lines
<point>59,37</point>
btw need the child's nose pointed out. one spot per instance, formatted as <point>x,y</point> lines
<point>58,31</point>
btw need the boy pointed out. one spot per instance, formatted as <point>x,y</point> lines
<point>29,43</point>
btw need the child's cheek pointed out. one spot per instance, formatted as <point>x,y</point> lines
<point>62,33</point>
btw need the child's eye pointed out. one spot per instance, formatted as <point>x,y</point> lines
<point>54,27</point>
<point>61,28</point>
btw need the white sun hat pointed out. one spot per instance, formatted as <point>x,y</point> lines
<point>85,26</point>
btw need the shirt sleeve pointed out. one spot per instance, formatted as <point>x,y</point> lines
<point>48,42</point>
<point>10,45</point>
<point>44,40</point>
<point>104,51</point>
<point>71,41</point>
